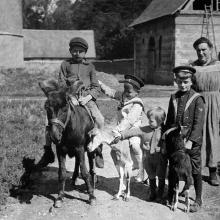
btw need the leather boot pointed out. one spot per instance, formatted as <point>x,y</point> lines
<point>160,191</point>
<point>197,178</point>
<point>213,179</point>
<point>153,188</point>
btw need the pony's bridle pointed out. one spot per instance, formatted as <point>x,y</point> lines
<point>59,122</point>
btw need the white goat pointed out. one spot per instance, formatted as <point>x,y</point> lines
<point>122,157</point>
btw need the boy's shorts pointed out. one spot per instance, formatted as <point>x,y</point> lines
<point>195,157</point>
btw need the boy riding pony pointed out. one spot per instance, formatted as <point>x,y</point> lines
<point>73,70</point>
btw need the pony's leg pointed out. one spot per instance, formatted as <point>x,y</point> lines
<point>61,178</point>
<point>128,181</point>
<point>76,171</point>
<point>86,175</point>
<point>92,170</point>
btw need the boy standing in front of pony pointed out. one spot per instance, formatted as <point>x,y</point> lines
<point>155,162</point>
<point>186,108</point>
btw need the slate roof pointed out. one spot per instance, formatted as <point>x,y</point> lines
<point>159,8</point>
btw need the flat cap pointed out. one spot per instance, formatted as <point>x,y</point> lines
<point>184,71</point>
<point>133,80</point>
<point>202,40</point>
<point>78,41</point>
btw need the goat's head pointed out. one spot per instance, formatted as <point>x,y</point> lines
<point>175,140</point>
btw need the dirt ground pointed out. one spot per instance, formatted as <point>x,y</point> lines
<point>37,202</point>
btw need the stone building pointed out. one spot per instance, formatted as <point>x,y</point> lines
<point>11,38</point>
<point>18,44</point>
<point>164,34</point>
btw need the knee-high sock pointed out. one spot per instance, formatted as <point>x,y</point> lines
<point>198,187</point>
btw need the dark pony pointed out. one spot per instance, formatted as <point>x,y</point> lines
<point>180,168</point>
<point>69,127</point>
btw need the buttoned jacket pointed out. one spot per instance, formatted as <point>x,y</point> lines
<point>193,117</point>
<point>71,71</point>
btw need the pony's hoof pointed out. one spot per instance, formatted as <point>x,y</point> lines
<point>92,200</point>
<point>58,203</point>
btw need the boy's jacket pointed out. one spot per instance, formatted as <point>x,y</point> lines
<point>193,117</point>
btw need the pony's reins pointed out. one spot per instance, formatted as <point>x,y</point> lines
<point>59,122</point>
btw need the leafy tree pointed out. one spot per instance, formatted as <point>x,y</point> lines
<point>108,18</point>
<point>62,16</point>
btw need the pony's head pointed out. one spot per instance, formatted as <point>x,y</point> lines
<point>58,114</point>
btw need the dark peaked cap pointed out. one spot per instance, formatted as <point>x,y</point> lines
<point>133,80</point>
<point>184,71</point>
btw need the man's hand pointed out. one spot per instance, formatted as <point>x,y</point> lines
<point>188,145</point>
<point>84,100</point>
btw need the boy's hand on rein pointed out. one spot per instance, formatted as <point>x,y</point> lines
<point>116,140</point>
<point>188,145</point>
<point>84,100</point>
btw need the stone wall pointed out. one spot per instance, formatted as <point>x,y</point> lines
<point>188,29</point>
<point>115,67</point>
<point>54,44</point>
<point>154,51</point>
<point>11,53</point>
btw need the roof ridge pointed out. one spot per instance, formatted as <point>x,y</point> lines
<point>159,8</point>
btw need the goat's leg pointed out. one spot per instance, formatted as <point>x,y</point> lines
<point>86,175</point>
<point>76,171</point>
<point>175,198</point>
<point>187,201</point>
<point>61,178</point>
<point>120,171</point>
<point>128,173</point>
<point>121,182</point>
